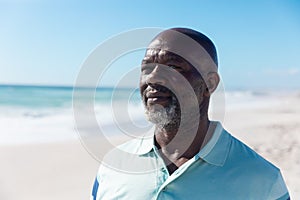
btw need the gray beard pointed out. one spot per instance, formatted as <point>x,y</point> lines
<point>164,117</point>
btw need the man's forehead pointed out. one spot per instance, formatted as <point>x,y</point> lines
<point>165,42</point>
<point>185,47</point>
<point>164,46</point>
<point>158,43</point>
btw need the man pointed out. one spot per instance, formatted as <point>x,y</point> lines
<point>188,156</point>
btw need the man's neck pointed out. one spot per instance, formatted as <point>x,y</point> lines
<point>177,147</point>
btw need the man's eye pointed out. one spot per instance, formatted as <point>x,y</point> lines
<point>175,67</point>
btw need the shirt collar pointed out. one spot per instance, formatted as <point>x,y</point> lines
<point>146,145</point>
<point>214,152</point>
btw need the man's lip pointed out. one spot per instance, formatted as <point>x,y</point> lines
<point>157,95</point>
<point>158,100</point>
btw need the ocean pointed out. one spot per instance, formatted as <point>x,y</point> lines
<point>35,114</point>
<point>45,113</point>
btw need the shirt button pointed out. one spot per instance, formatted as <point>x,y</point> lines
<point>163,169</point>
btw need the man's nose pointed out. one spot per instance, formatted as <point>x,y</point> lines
<point>157,76</point>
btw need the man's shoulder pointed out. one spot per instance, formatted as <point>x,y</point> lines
<point>245,157</point>
<point>127,155</point>
<point>253,168</point>
<point>132,147</point>
<point>137,146</point>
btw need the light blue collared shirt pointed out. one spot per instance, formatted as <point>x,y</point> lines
<point>224,168</point>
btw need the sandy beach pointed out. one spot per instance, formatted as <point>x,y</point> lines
<point>46,171</point>
<point>65,170</point>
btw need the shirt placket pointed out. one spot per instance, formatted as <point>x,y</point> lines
<point>163,177</point>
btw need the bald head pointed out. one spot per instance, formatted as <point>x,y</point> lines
<point>203,40</point>
<point>191,45</point>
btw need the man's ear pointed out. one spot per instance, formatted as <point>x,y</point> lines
<point>212,82</point>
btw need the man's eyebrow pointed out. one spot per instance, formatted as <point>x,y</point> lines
<point>149,56</point>
<point>172,56</point>
<point>147,59</point>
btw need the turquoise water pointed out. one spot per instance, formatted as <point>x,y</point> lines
<point>52,96</point>
<point>33,114</point>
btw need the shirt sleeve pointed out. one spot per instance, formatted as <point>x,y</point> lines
<point>279,190</point>
<point>95,189</point>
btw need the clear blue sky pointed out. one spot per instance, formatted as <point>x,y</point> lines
<point>45,42</point>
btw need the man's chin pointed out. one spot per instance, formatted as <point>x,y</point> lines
<point>156,117</point>
<point>162,120</point>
